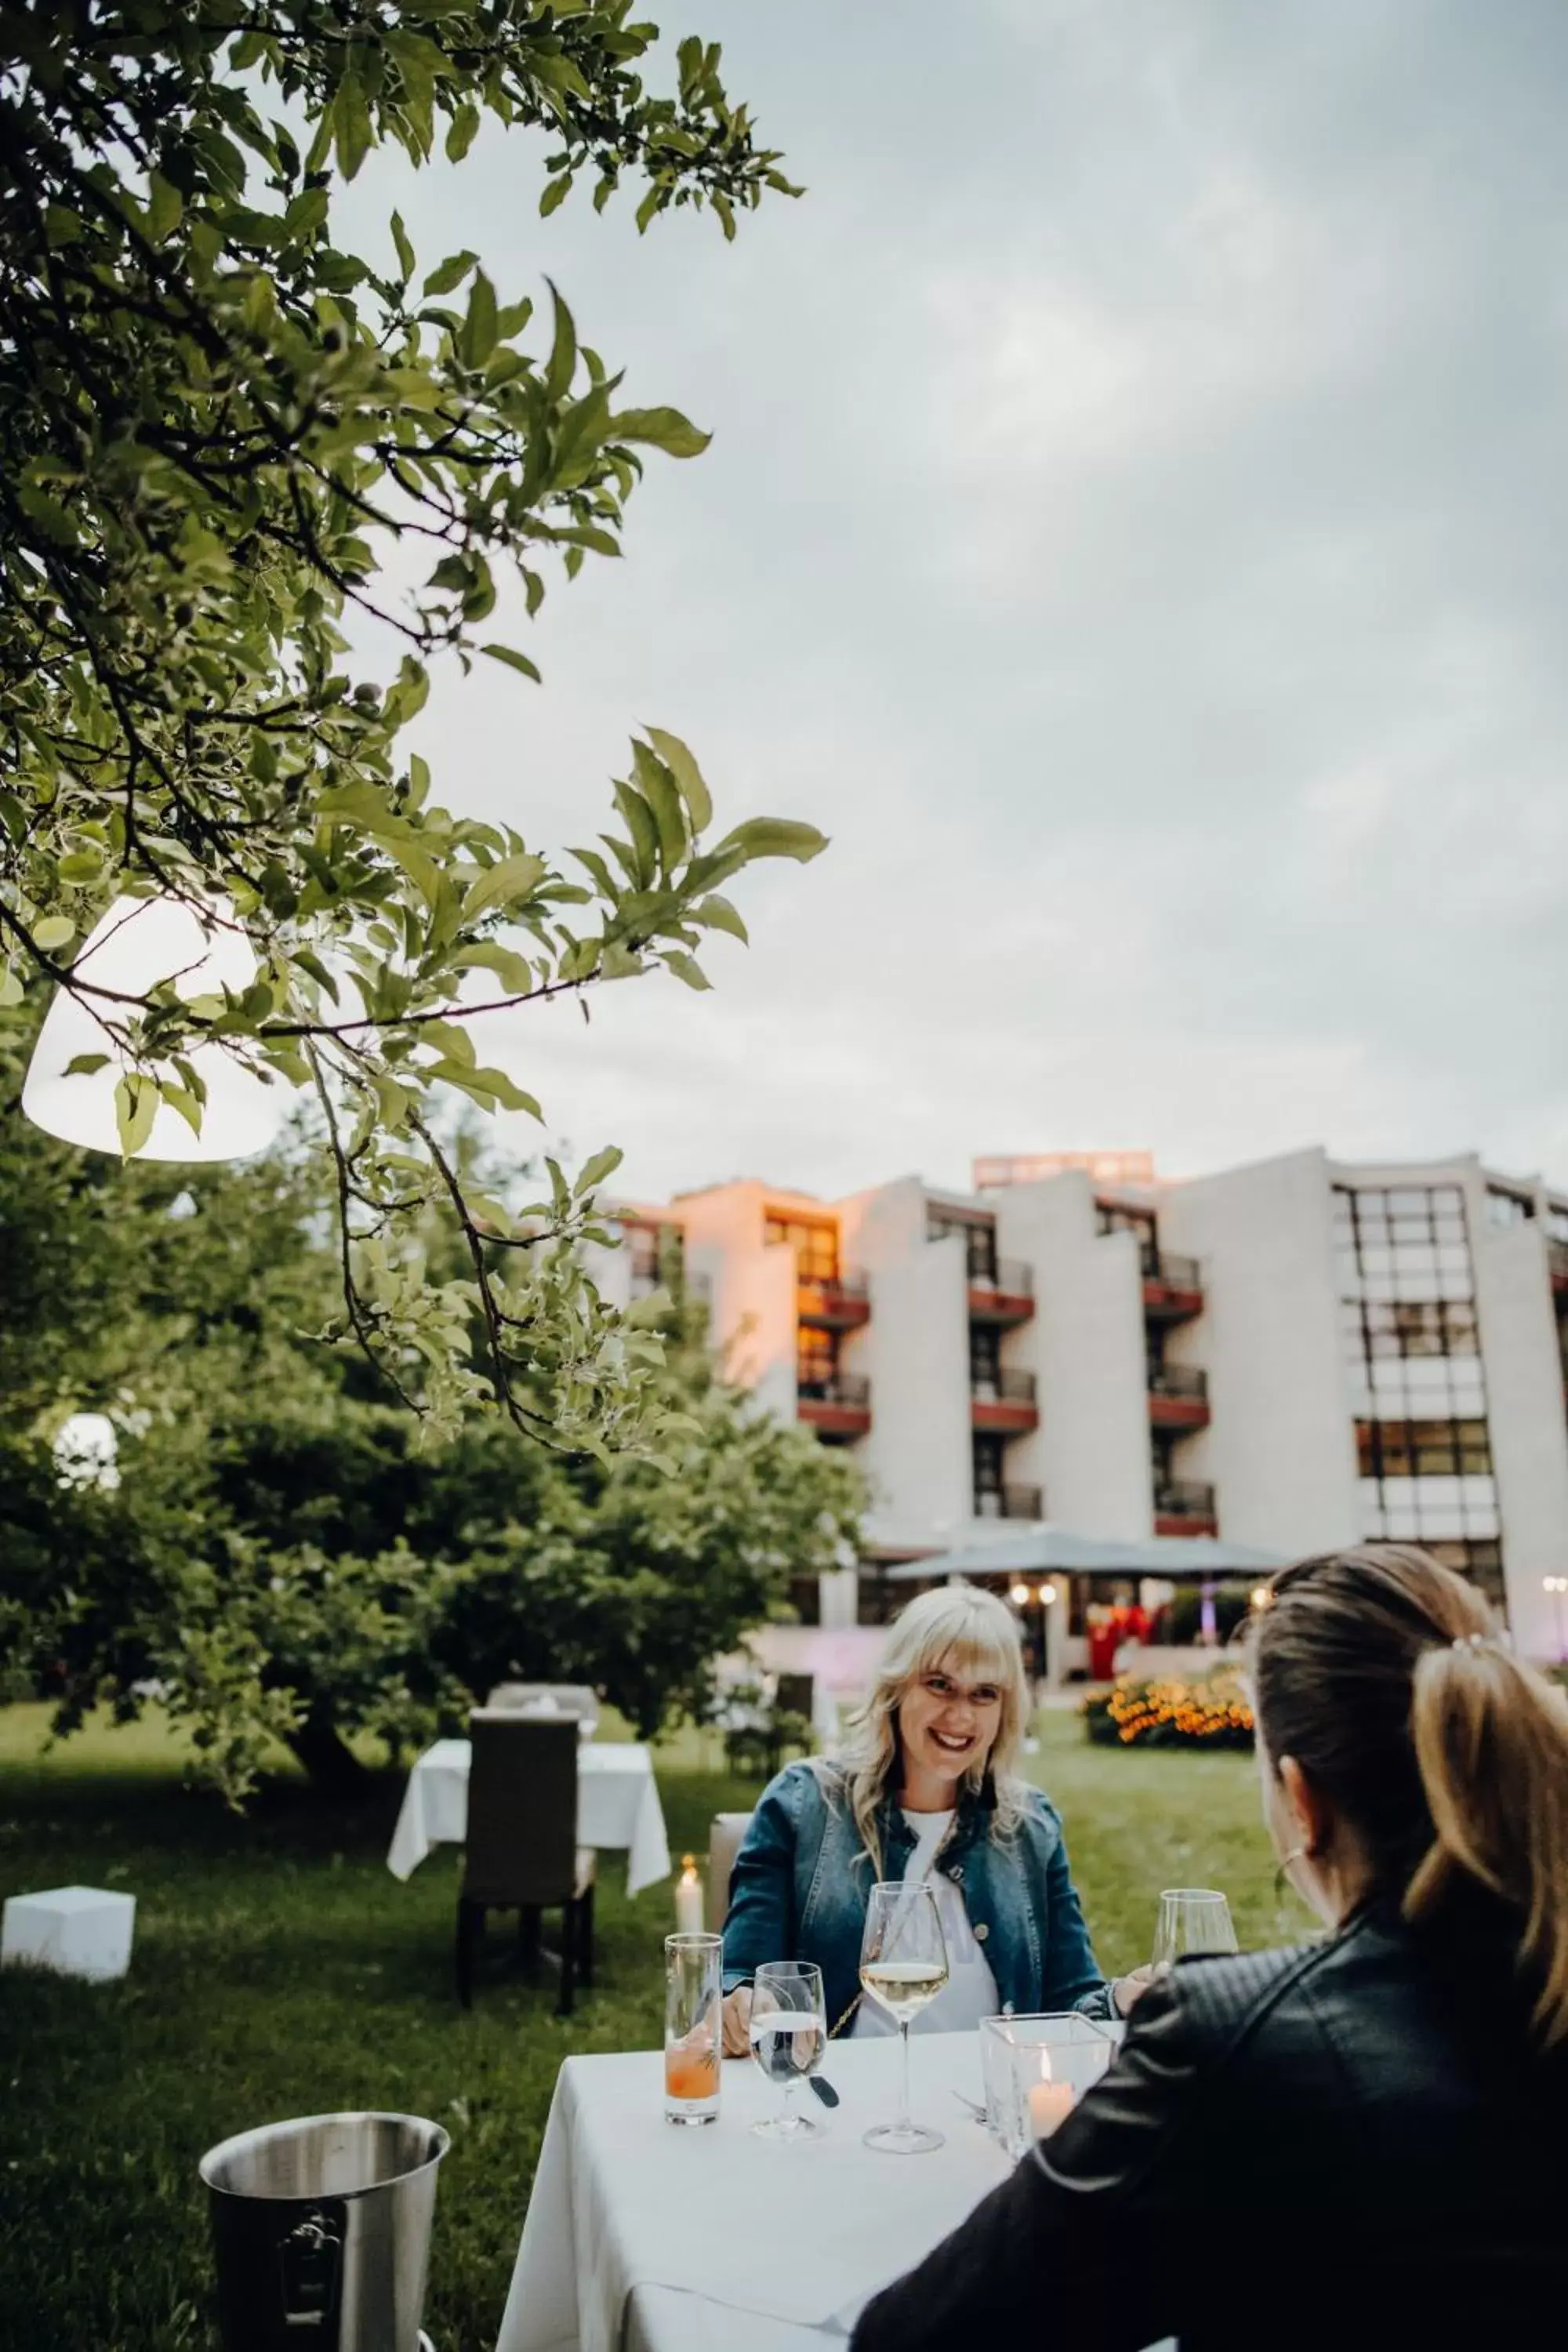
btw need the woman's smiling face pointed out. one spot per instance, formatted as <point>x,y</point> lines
<point>948,1720</point>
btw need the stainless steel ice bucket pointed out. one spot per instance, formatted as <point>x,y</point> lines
<point>322,2229</point>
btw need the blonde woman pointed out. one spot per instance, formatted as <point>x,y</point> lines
<point>927,1788</point>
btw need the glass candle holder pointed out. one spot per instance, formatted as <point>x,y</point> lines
<point>1036,2070</point>
<point>693,2027</point>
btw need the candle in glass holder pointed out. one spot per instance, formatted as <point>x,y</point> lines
<point>688,1919</point>
<point>1050,2105</point>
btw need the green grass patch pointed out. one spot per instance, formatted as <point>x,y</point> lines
<point>279,1969</point>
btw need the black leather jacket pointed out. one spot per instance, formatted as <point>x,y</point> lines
<point>1350,2145</point>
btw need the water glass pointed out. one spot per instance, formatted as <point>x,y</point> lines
<point>1191,1919</point>
<point>789,2034</point>
<point>1036,2070</point>
<point>693,2027</point>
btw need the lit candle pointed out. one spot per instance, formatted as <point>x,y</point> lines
<point>689,1920</point>
<point>1050,2103</point>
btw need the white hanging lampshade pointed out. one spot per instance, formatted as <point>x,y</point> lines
<point>139,943</point>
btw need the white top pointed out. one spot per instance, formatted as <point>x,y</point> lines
<point>970,1993</point>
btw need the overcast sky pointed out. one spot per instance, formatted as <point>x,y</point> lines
<point>1135,531</point>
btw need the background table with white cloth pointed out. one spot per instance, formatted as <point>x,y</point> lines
<point>642,2237</point>
<point>618,1809</point>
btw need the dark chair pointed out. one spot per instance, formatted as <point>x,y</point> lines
<point>521,1852</point>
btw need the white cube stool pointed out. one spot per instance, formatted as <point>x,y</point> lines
<point>82,1931</point>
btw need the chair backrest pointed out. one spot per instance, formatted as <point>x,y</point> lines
<point>797,1695</point>
<point>724,1844</point>
<point>523,1808</point>
<point>563,1698</point>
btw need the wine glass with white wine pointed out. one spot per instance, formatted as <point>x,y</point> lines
<point>904,1966</point>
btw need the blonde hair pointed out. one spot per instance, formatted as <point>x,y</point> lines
<point>973,1630</point>
<point>1383,1674</point>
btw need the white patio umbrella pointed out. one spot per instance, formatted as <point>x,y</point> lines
<point>137,944</point>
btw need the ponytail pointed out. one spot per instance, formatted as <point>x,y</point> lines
<point>1380,1672</point>
<point>1492,1745</point>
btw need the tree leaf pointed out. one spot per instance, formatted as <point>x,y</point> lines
<point>405,250</point>
<point>166,208</point>
<point>661,429</point>
<point>774,836</point>
<point>513,660</point>
<point>669,812</point>
<point>460,136</point>
<point>685,968</point>
<point>563,365</point>
<point>87,1065</point>
<point>135,1109</point>
<point>555,195</point>
<point>477,339</point>
<point>450,272</point>
<point>687,773</point>
<point>54,931</point>
<point>509,877</point>
<point>716,914</point>
<point>178,1100</point>
<point>595,1170</point>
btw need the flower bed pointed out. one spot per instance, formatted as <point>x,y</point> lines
<point>1206,1711</point>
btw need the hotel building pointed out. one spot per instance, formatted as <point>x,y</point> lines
<point>1288,1356</point>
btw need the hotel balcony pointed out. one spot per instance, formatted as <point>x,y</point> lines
<point>840,1302</point>
<point>1178,1396</point>
<point>1003,1294</point>
<point>837,1405</point>
<point>1173,1287</point>
<point>1184,1507</point>
<point>1004,1401</point>
<point>1010,1503</point>
<point>1557,1261</point>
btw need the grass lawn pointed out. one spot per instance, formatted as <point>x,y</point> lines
<point>279,1969</point>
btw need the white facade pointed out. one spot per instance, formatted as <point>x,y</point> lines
<point>1296,1355</point>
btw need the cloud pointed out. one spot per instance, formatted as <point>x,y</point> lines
<point>1133,531</point>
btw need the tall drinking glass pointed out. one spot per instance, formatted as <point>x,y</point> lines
<point>789,2034</point>
<point>1191,1919</point>
<point>904,1966</point>
<point>693,2027</point>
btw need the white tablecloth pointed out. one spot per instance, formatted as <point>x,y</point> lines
<point>617,1809</point>
<point>641,2237</point>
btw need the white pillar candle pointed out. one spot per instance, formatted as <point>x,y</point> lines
<point>688,1919</point>
<point>1050,2103</point>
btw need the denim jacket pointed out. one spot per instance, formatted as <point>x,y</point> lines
<point>801,1882</point>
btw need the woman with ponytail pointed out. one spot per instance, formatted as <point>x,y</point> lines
<point>1353,2144</point>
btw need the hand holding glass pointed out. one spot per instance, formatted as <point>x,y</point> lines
<point>904,1966</point>
<point>1191,1919</point>
<point>789,2034</point>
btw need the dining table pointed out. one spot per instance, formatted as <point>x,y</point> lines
<point>642,2236</point>
<point>618,1808</point>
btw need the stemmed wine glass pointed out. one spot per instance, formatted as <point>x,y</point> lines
<point>1191,1919</point>
<point>904,1966</point>
<point>789,2034</point>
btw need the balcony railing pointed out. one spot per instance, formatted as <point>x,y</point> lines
<point>1003,1387</point>
<point>1186,1382</point>
<point>1010,1503</point>
<point>1172,1273</point>
<point>1001,1291</point>
<point>1183,1498</point>
<point>850,1390</point>
<point>841,1301</point>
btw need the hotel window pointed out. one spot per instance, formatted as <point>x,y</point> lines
<point>1412,1348</point>
<point>1557,1222</point>
<point>814,1242</point>
<point>658,1254</point>
<point>979,1238</point>
<point>816,1360</point>
<point>984,1359</point>
<point>1505,1208</point>
<point>1112,1217</point>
